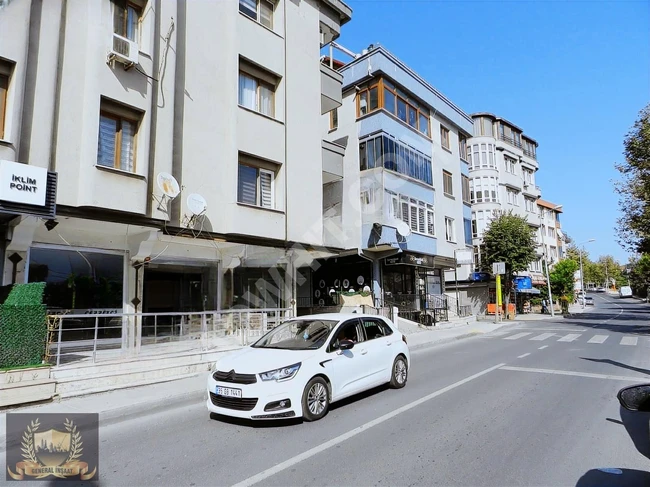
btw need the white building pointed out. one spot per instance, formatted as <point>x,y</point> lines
<point>101,100</point>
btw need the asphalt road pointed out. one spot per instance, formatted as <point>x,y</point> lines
<point>524,406</point>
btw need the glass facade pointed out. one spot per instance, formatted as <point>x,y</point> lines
<point>384,151</point>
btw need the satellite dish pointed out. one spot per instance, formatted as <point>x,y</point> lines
<point>196,204</point>
<point>168,185</point>
<point>402,228</point>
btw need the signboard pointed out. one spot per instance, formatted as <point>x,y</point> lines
<point>411,259</point>
<point>523,283</point>
<point>479,276</point>
<point>22,183</point>
<point>499,268</point>
<point>464,256</point>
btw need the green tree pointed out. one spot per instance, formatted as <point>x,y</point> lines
<point>611,269</point>
<point>634,187</point>
<point>561,277</point>
<point>508,239</point>
<point>640,275</point>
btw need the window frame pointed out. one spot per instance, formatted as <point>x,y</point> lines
<point>258,12</point>
<point>334,119</point>
<point>447,183</point>
<point>377,322</point>
<point>5,79</point>
<point>259,83</point>
<point>462,147</point>
<point>465,189</point>
<point>113,111</point>
<point>450,229</point>
<point>139,10</point>
<point>445,138</point>
<point>258,185</point>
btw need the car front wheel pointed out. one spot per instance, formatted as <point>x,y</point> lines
<point>400,373</point>
<point>315,399</point>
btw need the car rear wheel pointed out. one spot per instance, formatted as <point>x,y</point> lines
<point>400,373</point>
<point>315,399</point>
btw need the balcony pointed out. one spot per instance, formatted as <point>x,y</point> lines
<point>333,153</point>
<point>331,93</point>
<point>510,140</point>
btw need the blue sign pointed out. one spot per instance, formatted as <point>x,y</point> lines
<point>479,276</point>
<point>523,282</point>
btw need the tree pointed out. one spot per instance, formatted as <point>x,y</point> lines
<point>508,239</point>
<point>634,187</point>
<point>640,275</point>
<point>561,277</point>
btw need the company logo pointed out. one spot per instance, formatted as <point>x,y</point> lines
<point>55,450</point>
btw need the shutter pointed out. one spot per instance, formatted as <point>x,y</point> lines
<point>414,218</point>
<point>127,146</point>
<point>395,207</point>
<point>422,220</point>
<point>405,212</point>
<point>247,185</point>
<point>431,229</point>
<point>266,188</point>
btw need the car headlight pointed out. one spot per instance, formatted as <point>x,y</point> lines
<point>285,373</point>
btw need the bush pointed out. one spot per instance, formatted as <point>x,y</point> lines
<point>23,326</point>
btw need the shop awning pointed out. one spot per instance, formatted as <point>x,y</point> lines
<point>528,291</point>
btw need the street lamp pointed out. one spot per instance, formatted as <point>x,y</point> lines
<point>582,272</point>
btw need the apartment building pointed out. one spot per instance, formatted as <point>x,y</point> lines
<point>165,155</point>
<point>550,231</point>
<point>402,207</point>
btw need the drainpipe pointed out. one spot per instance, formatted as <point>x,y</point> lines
<point>286,138</point>
<point>57,95</point>
<point>179,106</point>
<point>155,86</point>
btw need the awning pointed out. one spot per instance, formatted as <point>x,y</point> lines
<point>528,291</point>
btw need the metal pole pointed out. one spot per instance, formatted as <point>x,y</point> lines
<point>548,282</point>
<point>456,282</point>
<point>582,277</point>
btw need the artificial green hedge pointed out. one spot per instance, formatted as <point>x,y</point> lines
<point>23,326</point>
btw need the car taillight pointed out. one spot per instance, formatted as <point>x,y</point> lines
<point>404,339</point>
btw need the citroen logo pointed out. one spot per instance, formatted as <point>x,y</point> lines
<point>231,375</point>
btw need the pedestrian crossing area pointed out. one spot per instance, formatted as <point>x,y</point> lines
<point>582,337</point>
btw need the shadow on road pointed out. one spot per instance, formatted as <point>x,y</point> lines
<point>618,478</point>
<point>617,364</point>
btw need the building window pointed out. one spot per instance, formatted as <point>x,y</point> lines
<point>450,231</point>
<point>483,190</point>
<point>551,232</point>
<point>118,128</point>
<point>259,10</point>
<point>384,151</point>
<point>528,176</point>
<point>465,184</point>
<point>512,197</point>
<point>255,186</point>
<point>530,205</point>
<point>448,183</point>
<point>126,19</point>
<point>5,73</point>
<point>444,137</point>
<point>462,147</point>
<point>380,93</point>
<point>334,119</point>
<point>480,221</point>
<point>510,164</point>
<point>467,225</point>
<point>483,126</point>
<point>418,215</point>
<point>257,88</point>
<point>481,156</point>
<point>530,148</point>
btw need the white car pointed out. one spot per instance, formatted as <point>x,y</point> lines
<point>306,363</point>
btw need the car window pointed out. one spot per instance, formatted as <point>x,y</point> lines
<point>347,331</point>
<point>373,328</point>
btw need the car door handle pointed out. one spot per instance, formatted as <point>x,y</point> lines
<point>389,344</point>
<point>363,352</point>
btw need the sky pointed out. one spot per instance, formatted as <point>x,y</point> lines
<point>574,75</point>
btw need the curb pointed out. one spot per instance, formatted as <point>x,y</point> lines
<point>125,413</point>
<point>444,341</point>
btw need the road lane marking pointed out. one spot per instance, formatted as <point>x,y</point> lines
<point>352,433</point>
<point>517,336</point>
<point>570,337</point>
<point>524,355</point>
<point>543,336</point>
<point>598,339</point>
<point>571,373</point>
<point>542,348</point>
<point>629,341</point>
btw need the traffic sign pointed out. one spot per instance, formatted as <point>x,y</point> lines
<point>499,268</point>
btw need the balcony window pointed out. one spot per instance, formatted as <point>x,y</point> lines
<point>384,151</point>
<point>418,215</point>
<point>259,10</point>
<point>484,190</point>
<point>118,128</point>
<point>482,156</point>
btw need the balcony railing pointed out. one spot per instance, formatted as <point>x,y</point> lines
<point>510,140</point>
<point>530,153</point>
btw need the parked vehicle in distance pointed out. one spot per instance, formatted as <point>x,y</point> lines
<point>589,301</point>
<point>601,290</point>
<point>306,363</point>
<point>625,292</point>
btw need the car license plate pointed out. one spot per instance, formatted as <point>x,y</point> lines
<point>228,392</point>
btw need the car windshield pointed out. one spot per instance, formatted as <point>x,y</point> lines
<point>307,334</point>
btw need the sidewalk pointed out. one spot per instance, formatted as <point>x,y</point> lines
<point>574,309</point>
<point>124,404</point>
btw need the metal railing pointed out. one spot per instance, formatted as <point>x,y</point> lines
<point>98,337</point>
<point>455,307</point>
<point>427,309</point>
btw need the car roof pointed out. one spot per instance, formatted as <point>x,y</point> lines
<point>336,316</point>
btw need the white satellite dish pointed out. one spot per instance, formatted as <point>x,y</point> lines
<point>168,185</point>
<point>196,204</point>
<point>402,228</point>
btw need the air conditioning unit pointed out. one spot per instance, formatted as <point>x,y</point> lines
<point>124,50</point>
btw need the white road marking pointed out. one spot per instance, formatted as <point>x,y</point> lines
<point>598,339</point>
<point>543,347</point>
<point>524,355</point>
<point>350,434</point>
<point>629,341</point>
<point>517,336</point>
<point>543,336</point>
<point>570,337</point>
<point>571,373</point>
<point>619,312</point>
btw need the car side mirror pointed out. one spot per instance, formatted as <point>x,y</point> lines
<point>635,398</point>
<point>346,344</point>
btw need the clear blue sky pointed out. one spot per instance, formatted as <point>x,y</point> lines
<point>572,74</point>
